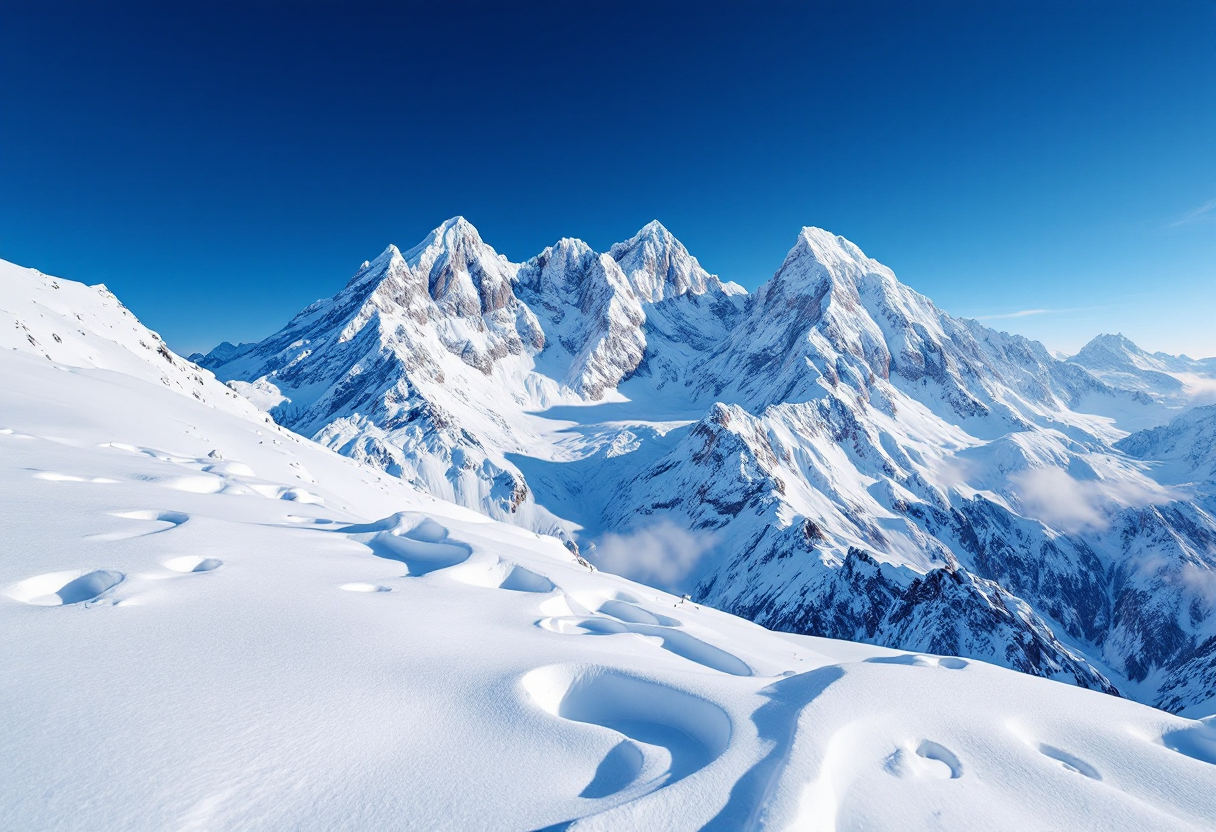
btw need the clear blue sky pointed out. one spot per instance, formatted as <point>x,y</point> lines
<point>222,165</point>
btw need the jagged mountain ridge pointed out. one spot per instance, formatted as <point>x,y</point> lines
<point>845,444</point>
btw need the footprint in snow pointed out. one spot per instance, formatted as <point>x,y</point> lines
<point>918,660</point>
<point>410,538</point>
<point>630,611</point>
<point>665,734</point>
<point>501,574</point>
<point>619,616</point>
<point>424,546</point>
<point>302,496</point>
<point>165,520</point>
<point>1071,762</point>
<point>310,521</point>
<point>929,759</point>
<point>55,589</point>
<point>1197,742</point>
<point>187,564</point>
<point>943,762</point>
<point>228,468</point>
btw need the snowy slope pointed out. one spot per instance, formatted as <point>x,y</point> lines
<point>213,623</point>
<point>77,326</point>
<point>1183,453</point>
<point>832,456</point>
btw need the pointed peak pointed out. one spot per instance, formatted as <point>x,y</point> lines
<point>821,258</point>
<point>457,223</point>
<point>836,255</point>
<point>1117,342</point>
<point>654,233</point>
<point>1115,338</point>
<point>565,251</point>
<point>457,228</point>
<point>658,265</point>
<point>826,247</point>
<point>654,228</point>
<point>385,257</point>
<point>570,244</point>
<point>381,260</point>
<point>455,234</point>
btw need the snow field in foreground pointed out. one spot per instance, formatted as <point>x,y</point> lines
<point>191,645</point>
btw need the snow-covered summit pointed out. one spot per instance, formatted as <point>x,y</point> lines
<point>658,265</point>
<point>1176,380</point>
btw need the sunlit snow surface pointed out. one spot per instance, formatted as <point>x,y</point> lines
<point>211,624</point>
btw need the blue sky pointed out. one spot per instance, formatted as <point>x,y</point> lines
<point>1048,167</point>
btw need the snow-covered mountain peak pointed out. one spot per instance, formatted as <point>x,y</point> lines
<point>1107,347</point>
<point>828,283</point>
<point>465,276</point>
<point>452,274</point>
<point>366,280</point>
<point>1175,380</point>
<point>568,250</point>
<point>1107,351</point>
<point>450,233</point>
<point>570,272</point>
<point>820,259</point>
<point>591,316</point>
<point>659,266</point>
<point>86,328</point>
<point>828,247</point>
<point>1117,339</point>
<point>453,238</point>
<point>653,232</point>
<point>369,273</point>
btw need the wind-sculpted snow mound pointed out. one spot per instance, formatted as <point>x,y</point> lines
<point>226,657</point>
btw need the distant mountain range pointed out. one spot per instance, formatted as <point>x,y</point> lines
<point>831,455</point>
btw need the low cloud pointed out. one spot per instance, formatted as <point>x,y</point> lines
<point>1200,389</point>
<point>663,554</point>
<point>1053,497</point>
<point>952,471</point>
<point>1200,581</point>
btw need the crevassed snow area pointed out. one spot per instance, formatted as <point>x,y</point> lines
<point>210,623</point>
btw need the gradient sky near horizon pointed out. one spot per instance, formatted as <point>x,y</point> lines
<point>1049,168</point>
